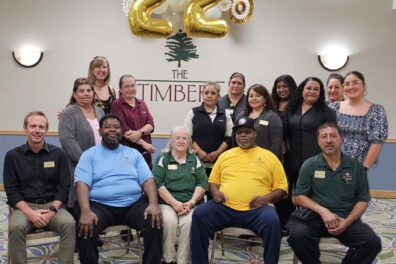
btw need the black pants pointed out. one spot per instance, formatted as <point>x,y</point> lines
<point>285,206</point>
<point>304,237</point>
<point>132,216</point>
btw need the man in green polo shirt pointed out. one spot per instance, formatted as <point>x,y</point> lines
<point>332,191</point>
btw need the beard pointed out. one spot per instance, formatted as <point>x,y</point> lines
<point>111,143</point>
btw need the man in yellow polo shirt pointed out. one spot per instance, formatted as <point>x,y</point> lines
<point>245,182</point>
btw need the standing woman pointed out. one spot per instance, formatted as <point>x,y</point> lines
<point>99,78</point>
<point>306,111</point>
<point>363,124</point>
<point>234,100</point>
<point>269,128</point>
<point>282,91</point>
<point>136,120</point>
<point>181,181</point>
<point>335,92</point>
<point>79,127</point>
<point>210,126</point>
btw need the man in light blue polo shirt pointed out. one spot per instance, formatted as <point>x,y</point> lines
<point>110,180</point>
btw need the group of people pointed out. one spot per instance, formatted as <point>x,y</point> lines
<point>256,156</point>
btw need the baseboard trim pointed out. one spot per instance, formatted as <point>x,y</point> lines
<point>384,194</point>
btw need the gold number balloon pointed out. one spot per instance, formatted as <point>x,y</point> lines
<point>143,25</point>
<point>195,23</point>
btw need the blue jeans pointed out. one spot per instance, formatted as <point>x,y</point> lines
<point>211,217</point>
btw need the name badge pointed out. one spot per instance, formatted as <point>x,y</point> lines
<point>172,167</point>
<point>230,111</point>
<point>263,122</point>
<point>49,164</point>
<point>320,174</point>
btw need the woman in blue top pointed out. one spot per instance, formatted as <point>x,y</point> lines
<point>363,124</point>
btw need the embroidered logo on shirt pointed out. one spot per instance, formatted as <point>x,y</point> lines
<point>320,174</point>
<point>347,178</point>
<point>49,164</point>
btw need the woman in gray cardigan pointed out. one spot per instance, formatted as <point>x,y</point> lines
<point>259,106</point>
<point>79,127</point>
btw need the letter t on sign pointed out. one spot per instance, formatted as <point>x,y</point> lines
<point>181,74</point>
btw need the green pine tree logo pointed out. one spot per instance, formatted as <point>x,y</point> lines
<point>181,48</point>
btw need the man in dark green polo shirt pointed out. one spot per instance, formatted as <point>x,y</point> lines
<point>332,190</point>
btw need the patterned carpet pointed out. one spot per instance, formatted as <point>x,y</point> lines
<point>380,216</point>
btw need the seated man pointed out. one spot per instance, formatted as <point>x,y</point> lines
<point>109,180</point>
<point>244,182</point>
<point>332,188</point>
<point>36,181</point>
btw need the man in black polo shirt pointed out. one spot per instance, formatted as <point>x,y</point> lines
<point>332,190</point>
<point>37,181</point>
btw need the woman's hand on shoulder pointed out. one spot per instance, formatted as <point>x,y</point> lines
<point>59,114</point>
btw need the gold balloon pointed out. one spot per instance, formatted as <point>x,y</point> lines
<point>195,23</point>
<point>143,25</point>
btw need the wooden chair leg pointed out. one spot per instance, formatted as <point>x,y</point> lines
<point>139,246</point>
<point>222,243</point>
<point>213,248</point>
<point>128,240</point>
<point>295,259</point>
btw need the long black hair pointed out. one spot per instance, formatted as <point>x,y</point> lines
<point>297,98</point>
<point>290,83</point>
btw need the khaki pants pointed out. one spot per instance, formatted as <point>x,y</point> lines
<point>20,225</point>
<point>176,230</point>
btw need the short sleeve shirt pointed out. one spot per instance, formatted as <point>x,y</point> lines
<point>337,190</point>
<point>114,176</point>
<point>246,173</point>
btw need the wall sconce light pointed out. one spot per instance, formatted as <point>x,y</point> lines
<point>27,57</point>
<point>333,58</point>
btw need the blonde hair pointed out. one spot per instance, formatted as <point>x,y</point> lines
<point>97,62</point>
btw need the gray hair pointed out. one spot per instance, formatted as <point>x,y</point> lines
<point>168,146</point>
<point>214,85</point>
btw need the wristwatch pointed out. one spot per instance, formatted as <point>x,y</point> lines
<point>53,209</point>
<point>142,132</point>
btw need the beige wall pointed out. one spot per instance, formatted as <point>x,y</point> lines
<point>283,36</point>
